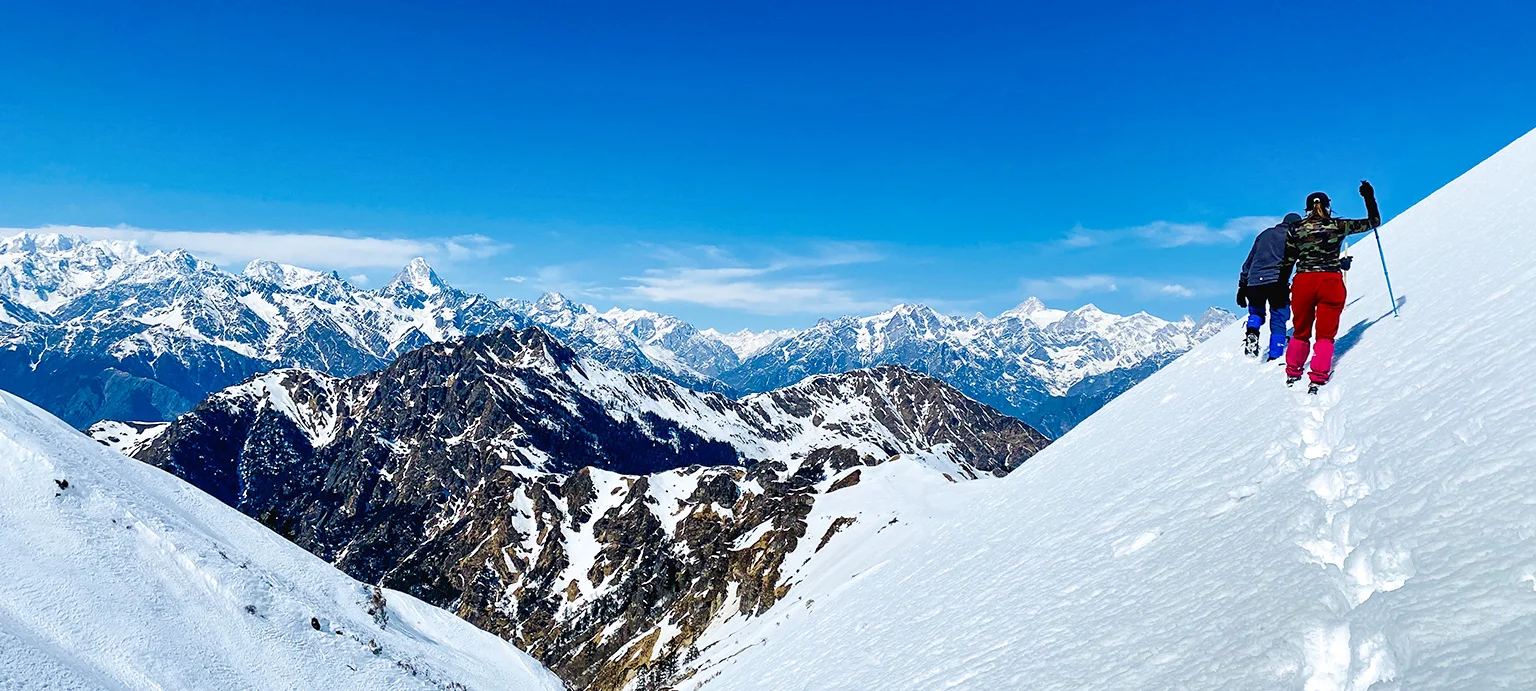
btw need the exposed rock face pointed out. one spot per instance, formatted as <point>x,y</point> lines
<point>602,520</point>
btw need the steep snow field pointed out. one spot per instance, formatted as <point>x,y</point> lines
<point>1212,529</point>
<point>129,578</point>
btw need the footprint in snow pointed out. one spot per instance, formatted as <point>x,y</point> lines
<point>1234,498</point>
<point>1129,545</point>
<point>1376,569</point>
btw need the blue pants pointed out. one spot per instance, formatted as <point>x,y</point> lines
<point>1276,297</point>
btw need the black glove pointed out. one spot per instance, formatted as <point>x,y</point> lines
<point>1366,190</point>
<point>1242,300</point>
<point>1345,262</point>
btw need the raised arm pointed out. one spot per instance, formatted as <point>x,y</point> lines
<point>1352,226</point>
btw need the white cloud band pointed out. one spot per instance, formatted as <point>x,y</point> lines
<point>311,250</point>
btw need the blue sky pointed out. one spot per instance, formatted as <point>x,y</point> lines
<point>750,164</point>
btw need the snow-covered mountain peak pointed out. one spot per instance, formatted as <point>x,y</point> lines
<point>286,276</point>
<point>905,315</point>
<point>1034,311</point>
<point>265,270</point>
<point>1212,320</point>
<point>39,242</point>
<point>45,271</point>
<point>165,265</point>
<point>419,276</point>
<point>558,302</point>
<point>746,343</point>
<point>908,310</point>
<point>1086,318</point>
<point>1029,306</point>
<point>644,324</point>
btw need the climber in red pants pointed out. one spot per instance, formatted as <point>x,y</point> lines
<point>1317,293</point>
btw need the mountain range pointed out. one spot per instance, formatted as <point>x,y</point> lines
<point>94,330</point>
<point>601,520</point>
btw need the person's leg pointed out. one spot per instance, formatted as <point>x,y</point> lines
<point>1254,296</point>
<point>1255,316</point>
<point>1330,304</point>
<point>1255,312</point>
<point>1303,292</point>
<point>1279,314</point>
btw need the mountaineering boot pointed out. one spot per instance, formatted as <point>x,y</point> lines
<point>1291,381</point>
<point>1251,343</point>
<point>1313,388</point>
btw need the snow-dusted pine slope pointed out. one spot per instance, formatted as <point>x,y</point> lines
<point>1212,529</point>
<point>128,578</point>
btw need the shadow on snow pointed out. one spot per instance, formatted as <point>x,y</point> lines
<point>1349,340</point>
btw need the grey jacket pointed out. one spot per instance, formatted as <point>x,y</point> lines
<point>1263,265</point>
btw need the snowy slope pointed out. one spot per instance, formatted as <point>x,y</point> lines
<point>1212,529</point>
<point>129,578</point>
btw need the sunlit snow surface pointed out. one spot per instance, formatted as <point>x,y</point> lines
<point>1212,529</point>
<point>128,578</point>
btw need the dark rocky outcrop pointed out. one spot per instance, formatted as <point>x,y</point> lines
<point>601,520</point>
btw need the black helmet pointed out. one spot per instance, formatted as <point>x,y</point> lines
<point>1292,218</point>
<point>1318,197</point>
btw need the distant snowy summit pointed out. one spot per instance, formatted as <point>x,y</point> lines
<point>95,330</point>
<point>1049,367</point>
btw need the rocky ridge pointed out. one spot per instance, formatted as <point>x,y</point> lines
<point>602,520</point>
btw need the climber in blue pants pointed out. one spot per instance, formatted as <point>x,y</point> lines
<point>1262,284</point>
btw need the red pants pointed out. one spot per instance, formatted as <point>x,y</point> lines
<point>1317,299</point>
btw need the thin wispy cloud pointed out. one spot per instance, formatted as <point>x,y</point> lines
<point>312,250</point>
<point>1165,234</point>
<point>570,279</point>
<point>1069,287</point>
<point>781,284</point>
<point>1176,290</point>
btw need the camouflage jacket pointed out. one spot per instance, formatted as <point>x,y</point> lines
<point>1314,243</point>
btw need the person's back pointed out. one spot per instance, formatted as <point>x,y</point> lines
<point>1318,294</point>
<point>1318,242</point>
<point>1263,282</point>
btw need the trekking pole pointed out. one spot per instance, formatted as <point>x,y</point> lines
<point>1384,271</point>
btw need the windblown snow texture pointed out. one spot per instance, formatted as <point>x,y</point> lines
<point>116,575</point>
<point>1212,529</point>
